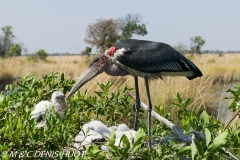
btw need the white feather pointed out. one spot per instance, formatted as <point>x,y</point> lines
<point>112,128</point>
<point>90,132</point>
<point>58,104</point>
<point>131,134</point>
<point>98,127</point>
<point>119,52</point>
<point>86,137</point>
<point>41,108</point>
<point>122,127</point>
<point>97,130</point>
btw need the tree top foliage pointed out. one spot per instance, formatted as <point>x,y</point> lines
<point>7,46</point>
<point>106,32</point>
<point>103,32</point>
<point>196,43</point>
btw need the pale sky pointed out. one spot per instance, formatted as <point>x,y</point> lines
<point>59,26</point>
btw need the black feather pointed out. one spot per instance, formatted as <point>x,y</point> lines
<point>154,57</point>
<point>39,118</point>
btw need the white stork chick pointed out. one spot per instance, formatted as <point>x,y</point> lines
<point>87,137</point>
<point>58,104</point>
<point>124,130</point>
<point>98,127</point>
<point>122,127</point>
<point>112,128</point>
<point>131,134</point>
<point>94,131</point>
<point>121,130</point>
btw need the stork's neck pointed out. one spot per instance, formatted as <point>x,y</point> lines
<point>60,103</point>
<point>113,70</point>
<point>60,108</point>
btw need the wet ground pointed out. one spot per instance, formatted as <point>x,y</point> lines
<point>219,104</point>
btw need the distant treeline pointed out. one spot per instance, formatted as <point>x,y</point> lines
<point>218,51</point>
<point>185,52</point>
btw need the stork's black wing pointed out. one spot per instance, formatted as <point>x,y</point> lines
<point>154,57</point>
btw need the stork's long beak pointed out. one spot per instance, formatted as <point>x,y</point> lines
<point>91,72</point>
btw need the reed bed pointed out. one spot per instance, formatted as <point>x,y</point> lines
<point>217,71</point>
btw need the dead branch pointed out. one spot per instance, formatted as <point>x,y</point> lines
<point>234,116</point>
<point>178,133</point>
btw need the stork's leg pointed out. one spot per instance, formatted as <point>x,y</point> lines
<point>137,105</point>
<point>149,111</point>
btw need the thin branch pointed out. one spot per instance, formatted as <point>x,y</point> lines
<point>231,156</point>
<point>234,116</point>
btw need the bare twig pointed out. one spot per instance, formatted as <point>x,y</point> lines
<point>234,116</point>
<point>230,155</point>
<point>194,145</point>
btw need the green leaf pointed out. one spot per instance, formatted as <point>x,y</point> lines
<point>208,136</point>
<point>100,94</point>
<point>92,151</point>
<point>137,145</point>
<point>199,148</point>
<point>140,133</point>
<point>125,145</point>
<point>194,151</point>
<point>218,141</point>
<point>186,102</point>
<point>19,124</point>
<point>113,148</point>
<point>185,148</point>
<point>177,98</point>
<point>205,117</point>
<point>113,137</point>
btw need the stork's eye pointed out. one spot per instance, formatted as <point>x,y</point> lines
<point>96,60</point>
<point>102,58</point>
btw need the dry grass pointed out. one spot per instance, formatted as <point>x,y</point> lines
<point>20,66</point>
<point>216,70</point>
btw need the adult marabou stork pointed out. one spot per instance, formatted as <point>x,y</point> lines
<point>139,58</point>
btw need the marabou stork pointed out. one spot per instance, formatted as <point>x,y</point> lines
<point>58,104</point>
<point>139,58</point>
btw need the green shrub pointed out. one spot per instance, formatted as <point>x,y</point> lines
<point>87,51</point>
<point>211,61</point>
<point>20,139</point>
<point>14,50</point>
<point>41,54</point>
<point>32,57</point>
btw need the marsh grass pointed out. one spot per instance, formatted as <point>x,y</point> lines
<point>217,70</point>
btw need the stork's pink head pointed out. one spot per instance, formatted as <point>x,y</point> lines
<point>111,51</point>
